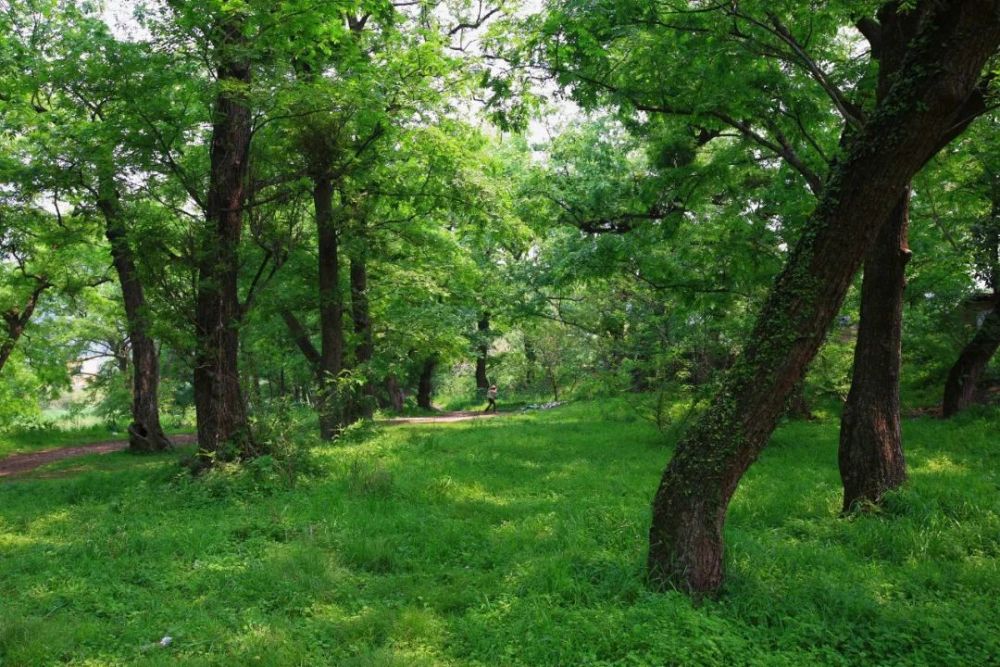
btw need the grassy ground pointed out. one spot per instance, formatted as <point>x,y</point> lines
<point>19,442</point>
<point>502,542</point>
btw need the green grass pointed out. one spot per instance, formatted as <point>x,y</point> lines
<point>517,541</point>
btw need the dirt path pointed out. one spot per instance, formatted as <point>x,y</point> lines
<point>443,418</point>
<point>18,464</point>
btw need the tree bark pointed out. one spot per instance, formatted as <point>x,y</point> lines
<point>223,431</point>
<point>331,310</point>
<point>942,68</point>
<point>144,433</point>
<point>16,319</point>
<point>425,386</point>
<point>301,339</point>
<point>960,388</point>
<point>364,349</point>
<point>395,393</point>
<point>871,445</point>
<point>482,381</point>
<point>871,449</point>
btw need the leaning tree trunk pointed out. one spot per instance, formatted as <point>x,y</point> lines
<point>941,70</point>
<point>482,381</point>
<point>960,388</point>
<point>223,431</point>
<point>871,450</point>
<point>331,311</point>
<point>425,386</point>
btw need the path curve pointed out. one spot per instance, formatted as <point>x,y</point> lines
<point>18,464</point>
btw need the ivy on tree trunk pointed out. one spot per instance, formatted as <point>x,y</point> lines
<point>940,71</point>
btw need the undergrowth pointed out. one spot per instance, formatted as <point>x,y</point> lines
<point>515,541</point>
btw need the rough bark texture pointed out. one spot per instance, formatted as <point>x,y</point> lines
<point>871,445</point>
<point>939,73</point>
<point>331,310</point>
<point>482,381</point>
<point>144,433</point>
<point>960,388</point>
<point>223,431</point>
<point>871,452</point>
<point>425,386</point>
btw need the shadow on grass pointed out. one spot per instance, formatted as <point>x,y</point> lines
<point>515,541</point>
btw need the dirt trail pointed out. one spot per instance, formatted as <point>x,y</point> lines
<point>17,464</point>
<point>443,418</point>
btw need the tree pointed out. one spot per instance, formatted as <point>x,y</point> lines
<point>86,77</point>
<point>940,71</point>
<point>960,386</point>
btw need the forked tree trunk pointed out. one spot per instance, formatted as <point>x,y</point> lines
<point>223,431</point>
<point>940,72</point>
<point>425,385</point>
<point>482,380</point>
<point>144,433</point>
<point>960,388</point>
<point>871,451</point>
<point>16,319</point>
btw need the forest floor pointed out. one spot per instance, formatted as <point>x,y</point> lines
<point>515,541</point>
<point>17,464</point>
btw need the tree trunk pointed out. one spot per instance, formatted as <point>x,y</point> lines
<point>960,388</point>
<point>797,406</point>
<point>16,319</point>
<point>364,348</point>
<point>425,384</point>
<point>331,311</point>
<point>871,450</point>
<point>395,393</point>
<point>482,381</point>
<point>223,431</point>
<point>144,433</point>
<point>942,69</point>
<point>871,446</point>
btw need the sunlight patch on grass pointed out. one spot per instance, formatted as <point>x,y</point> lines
<point>940,464</point>
<point>511,542</point>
